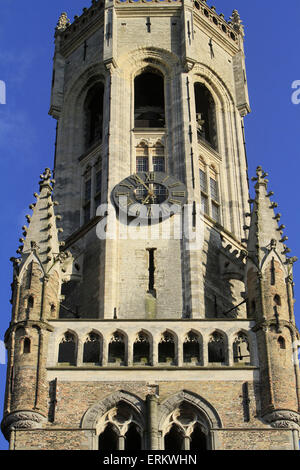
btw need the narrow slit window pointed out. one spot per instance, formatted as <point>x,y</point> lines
<point>151,285</point>
<point>98,184</point>
<point>203,184</point>
<point>26,346</point>
<point>87,195</point>
<point>214,192</point>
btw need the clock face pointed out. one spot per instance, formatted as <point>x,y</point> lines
<point>151,194</point>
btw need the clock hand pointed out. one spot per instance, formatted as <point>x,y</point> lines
<point>145,200</point>
<point>142,182</point>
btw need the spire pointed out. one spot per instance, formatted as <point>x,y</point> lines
<point>41,235</point>
<point>265,232</point>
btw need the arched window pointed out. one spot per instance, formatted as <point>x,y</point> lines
<point>116,348</point>
<point>241,350</point>
<point>108,440</point>
<point>149,100</point>
<point>174,439</point>
<point>133,439</point>
<point>93,108</point>
<point>141,349</point>
<point>216,348</point>
<point>91,349</point>
<point>191,348</point>
<point>26,346</point>
<point>166,348</point>
<point>67,349</point>
<point>187,428</point>
<point>205,115</point>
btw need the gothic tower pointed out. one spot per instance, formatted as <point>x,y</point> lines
<point>160,315</point>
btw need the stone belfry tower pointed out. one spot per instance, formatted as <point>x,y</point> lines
<point>160,315</point>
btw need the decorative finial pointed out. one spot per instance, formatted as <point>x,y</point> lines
<point>63,22</point>
<point>46,181</point>
<point>236,22</point>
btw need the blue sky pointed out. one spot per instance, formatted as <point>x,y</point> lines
<point>27,133</point>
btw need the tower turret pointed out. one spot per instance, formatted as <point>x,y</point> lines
<point>38,274</point>
<point>271,303</point>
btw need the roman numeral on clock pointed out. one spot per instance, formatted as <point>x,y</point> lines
<point>126,185</point>
<point>178,193</point>
<point>137,179</point>
<point>150,177</point>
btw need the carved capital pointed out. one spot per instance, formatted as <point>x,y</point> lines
<point>22,420</point>
<point>283,419</point>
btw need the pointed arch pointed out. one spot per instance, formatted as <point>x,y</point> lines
<point>241,347</point>
<point>268,259</point>
<point>92,348</point>
<point>207,411</point>
<point>31,258</point>
<point>167,347</point>
<point>137,60</point>
<point>193,347</point>
<point>98,410</point>
<point>217,347</point>
<point>143,347</point>
<point>118,347</point>
<point>67,348</point>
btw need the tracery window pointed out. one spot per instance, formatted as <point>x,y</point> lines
<point>216,348</point>
<point>191,348</point>
<point>241,349</point>
<point>122,429</point>
<point>67,349</point>
<point>186,429</point>
<point>141,349</point>
<point>116,348</point>
<point>91,349</point>
<point>166,348</point>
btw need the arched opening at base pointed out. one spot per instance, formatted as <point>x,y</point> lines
<point>174,439</point>
<point>108,440</point>
<point>198,439</point>
<point>133,439</point>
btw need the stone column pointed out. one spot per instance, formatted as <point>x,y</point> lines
<point>187,443</point>
<point>121,445</point>
<point>152,404</point>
